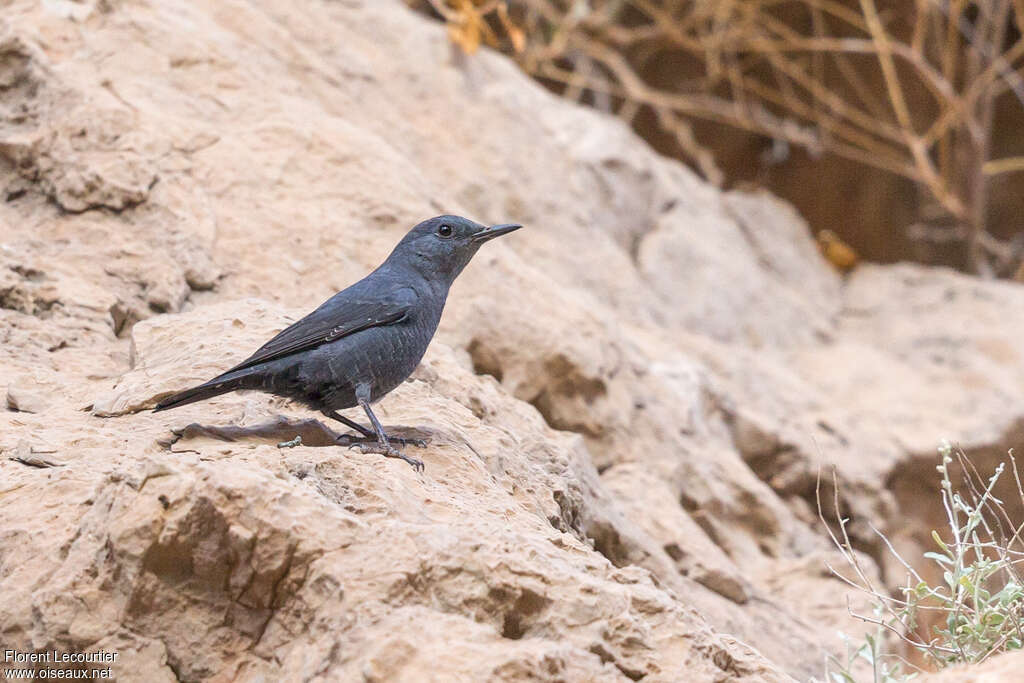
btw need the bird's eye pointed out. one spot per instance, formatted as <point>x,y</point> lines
<point>444,230</point>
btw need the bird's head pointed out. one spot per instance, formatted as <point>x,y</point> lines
<point>441,247</point>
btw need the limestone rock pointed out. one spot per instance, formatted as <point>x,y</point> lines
<point>1004,668</point>
<point>629,400</point>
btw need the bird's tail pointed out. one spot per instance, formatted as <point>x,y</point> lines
<point>215,387</point>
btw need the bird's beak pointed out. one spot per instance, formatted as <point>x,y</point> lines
<point>495,231</point>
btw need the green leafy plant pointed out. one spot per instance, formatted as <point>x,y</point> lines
<point>974,612</point>
<point>868,653</point>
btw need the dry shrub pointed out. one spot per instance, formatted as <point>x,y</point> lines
<point>974,611</point>
<point>908,87</point>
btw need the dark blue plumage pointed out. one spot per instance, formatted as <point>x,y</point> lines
<point>365,340</point>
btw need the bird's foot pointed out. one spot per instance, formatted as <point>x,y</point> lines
<point>297,441</point>
<point>388,451</point>
<point>353,440</point>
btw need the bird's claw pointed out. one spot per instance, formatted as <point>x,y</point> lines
<point>416,463</point>
<point>389,451</point>
<point>297,441</point>
<point>351,440</point>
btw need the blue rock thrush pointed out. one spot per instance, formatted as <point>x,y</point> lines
<point>365,340</point>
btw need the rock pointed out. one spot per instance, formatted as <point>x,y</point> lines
<point>158,357</point>
<point>254,552</point>
<point>629,401</point>
<point>1003,668</point>
<point>25,398</point>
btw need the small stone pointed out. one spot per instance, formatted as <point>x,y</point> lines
<point>24,398</point>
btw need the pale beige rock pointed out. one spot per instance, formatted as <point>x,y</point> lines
<point>25,397</point>
<point>256,550</point>
<point>162,365</point>
<point>630,399</point>
<point>1004,668</point>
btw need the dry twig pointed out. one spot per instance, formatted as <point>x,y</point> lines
<point>910,90</point>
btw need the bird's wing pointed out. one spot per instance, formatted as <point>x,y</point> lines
<point>343,314</point>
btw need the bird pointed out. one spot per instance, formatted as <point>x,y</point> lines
<point>365,340</point>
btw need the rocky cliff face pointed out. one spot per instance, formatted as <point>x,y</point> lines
<point>629,400</point>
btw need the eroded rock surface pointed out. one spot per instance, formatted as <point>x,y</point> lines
<point>629,401</point>
<point>1004,668</point>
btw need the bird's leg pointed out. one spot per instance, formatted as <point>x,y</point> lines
<point>368,435</point>
<point>335,415</point>
<point>382,446</point>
